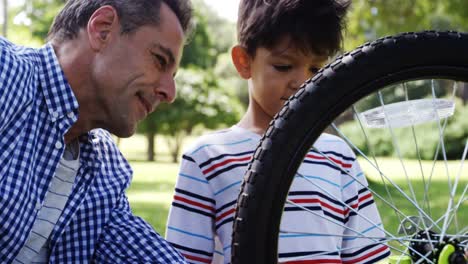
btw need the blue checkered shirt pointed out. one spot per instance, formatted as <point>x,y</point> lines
<point>37,107</point>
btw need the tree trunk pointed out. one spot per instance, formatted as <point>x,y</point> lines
<point>150,153</point>
<point>175,144</point>
<point>5,18</point>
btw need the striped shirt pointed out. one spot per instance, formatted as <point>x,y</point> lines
<point>332,189</point>
<point>37,108</point>
<point>36,249</point>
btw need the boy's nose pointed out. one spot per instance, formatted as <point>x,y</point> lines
<point>300,77</point>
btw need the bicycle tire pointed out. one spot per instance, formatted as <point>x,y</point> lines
<point>318,102</point>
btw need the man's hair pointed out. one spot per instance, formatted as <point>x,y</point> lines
<point>312,25</point>
<point>132,13</point>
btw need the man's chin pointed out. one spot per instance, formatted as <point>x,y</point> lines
<point>124,132</point>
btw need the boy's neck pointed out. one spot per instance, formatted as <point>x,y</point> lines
<point>255,119</point>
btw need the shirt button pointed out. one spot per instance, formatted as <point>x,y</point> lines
<point>54,114</point>
<point>71,115</point>
<point>38,205</point>
<point>58,145</point>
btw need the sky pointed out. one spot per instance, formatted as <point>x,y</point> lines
<point>225,8</point>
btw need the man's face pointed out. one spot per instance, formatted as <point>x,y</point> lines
<point>136,72</point>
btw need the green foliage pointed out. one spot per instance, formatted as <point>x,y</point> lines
<point>221,31</point>
<point>199,52</point>
<point>426,136</point>
<point>200,102</point>
<point>369,20</point>
<point>42,13</point>
<point>212,36</point>
<point>230,79</point>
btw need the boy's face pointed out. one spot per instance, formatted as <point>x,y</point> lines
<point>275,74</point>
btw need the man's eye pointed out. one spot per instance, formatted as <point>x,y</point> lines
<point>160,60</point>
<point>282,68</point>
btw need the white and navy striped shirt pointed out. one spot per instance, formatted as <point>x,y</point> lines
<point>37,107</point>
<point>207,188</point>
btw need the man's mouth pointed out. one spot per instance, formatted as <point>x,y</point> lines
<point>146,104</point>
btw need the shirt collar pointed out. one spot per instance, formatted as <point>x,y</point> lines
<point>58,94</point>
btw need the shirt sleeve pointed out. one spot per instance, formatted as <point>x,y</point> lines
<point>190,226</point>
<point>129,239</point>
<point>363,220</point>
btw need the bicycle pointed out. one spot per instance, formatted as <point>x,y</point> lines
<point>395,91</point>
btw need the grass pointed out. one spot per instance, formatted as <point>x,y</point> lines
<point>151,191</point>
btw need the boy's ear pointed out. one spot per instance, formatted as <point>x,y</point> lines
<point>241,60</point>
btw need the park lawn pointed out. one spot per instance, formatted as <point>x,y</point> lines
<point>152,188</point>
<point>151,191</point>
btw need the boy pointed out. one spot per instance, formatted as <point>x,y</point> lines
<point>282,43</point>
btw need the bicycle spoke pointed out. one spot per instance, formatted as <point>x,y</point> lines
<point>444,154</point>
<point>397,149</point>
<point>426,193</point>
<point>462,161</point>
<point>393,184</point>
<point>366,138</point>
<point>402,240</point>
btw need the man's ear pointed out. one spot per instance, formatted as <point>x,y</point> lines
<point>241,60</point>
<point>102,23</point>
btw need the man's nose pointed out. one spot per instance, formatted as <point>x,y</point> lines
<point>167,88</point>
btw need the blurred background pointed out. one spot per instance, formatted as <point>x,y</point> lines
<point>210,94</point>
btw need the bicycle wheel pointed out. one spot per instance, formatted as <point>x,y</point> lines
<point>398,104</point>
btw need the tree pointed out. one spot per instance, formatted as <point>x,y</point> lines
<point>42,13</point>
<point>221,30</point>
<point>371,19</point>
<point>212,36</point>
<point>199,51</point>
<point>200,102</point>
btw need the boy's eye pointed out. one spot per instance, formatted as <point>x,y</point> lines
<point>314,70</point>
<point>282,68</point>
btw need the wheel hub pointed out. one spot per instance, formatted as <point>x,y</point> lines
<point>427,245</point>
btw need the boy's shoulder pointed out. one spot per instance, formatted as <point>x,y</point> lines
<point>229,137</point>
<point>329,142</point>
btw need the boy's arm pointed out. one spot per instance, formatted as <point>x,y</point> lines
<point>365,220</point>
<point>129,239</point>
<point>190,226</point>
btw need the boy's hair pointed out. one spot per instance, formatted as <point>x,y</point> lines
<point>313,25</point>
<point>132,13</point>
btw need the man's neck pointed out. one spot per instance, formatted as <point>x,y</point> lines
<point>75,59</point>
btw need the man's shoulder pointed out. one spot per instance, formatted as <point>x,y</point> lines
<point>105,142</point>
<point>103,137</point>
<point>15,53</point>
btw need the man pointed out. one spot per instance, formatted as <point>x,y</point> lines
<point>108,64</point>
